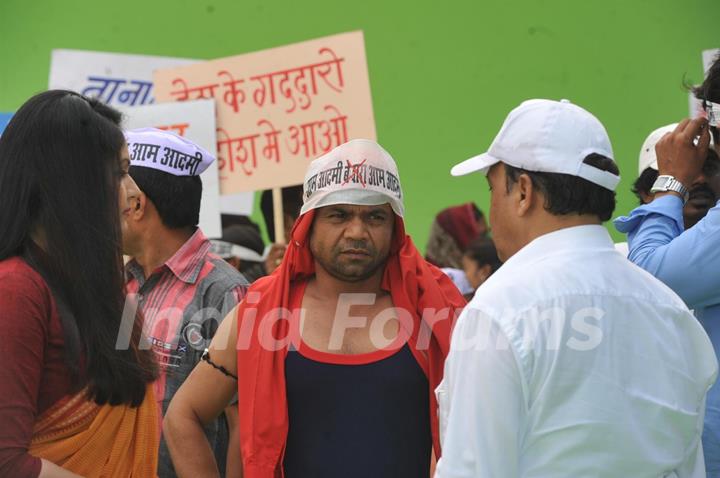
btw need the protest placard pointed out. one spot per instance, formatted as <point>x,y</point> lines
<point>117,79</point>
<point>194,120</point>
<point>123,80</point>
<point>709,56</point>
<point>696,106</point>
<point>280,108</point>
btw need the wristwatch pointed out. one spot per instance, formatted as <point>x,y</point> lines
<point>666,183</point>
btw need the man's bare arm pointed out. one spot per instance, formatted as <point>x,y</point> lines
<point>233,464</point>
<point>201,399</point>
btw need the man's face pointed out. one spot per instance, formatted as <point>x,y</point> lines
<point>704,192</point>
<point>352,242</point>
<point>475,274</point>
<point>501,212</point>
<point>128,194</point>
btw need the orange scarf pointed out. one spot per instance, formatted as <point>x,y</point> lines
<point>414,285</point>
<point>99,441</point>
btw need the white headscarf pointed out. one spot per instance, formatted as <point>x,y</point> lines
<point>358,172</point>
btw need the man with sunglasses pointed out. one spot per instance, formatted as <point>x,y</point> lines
<point>687,260</point>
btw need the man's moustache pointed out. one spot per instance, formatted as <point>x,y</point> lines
<point>702,190</point>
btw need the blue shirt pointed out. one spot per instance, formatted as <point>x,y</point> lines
<point>689,263</point>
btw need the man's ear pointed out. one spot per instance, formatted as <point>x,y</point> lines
<point>138,206</point>
<point>526,194</point>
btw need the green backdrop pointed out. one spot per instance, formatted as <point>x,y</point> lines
<point>443,74</point>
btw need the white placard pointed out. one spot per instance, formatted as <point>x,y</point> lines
<point>117,79</point>
<point>125,80</point>
<point>709,56</point>
<point>695,105</point>
<point>195,120</point>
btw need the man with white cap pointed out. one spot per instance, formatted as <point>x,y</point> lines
<point>569,361</point>
<point>182,289</point>
<point>338,351</point>
<point>703,193</point>
<point>687,260</point>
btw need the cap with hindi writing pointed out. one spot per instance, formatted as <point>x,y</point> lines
<point>358,172</point>
<point>166,151</point>
<point>548,136</point>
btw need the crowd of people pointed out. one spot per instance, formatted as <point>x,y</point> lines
<point>524,345</point>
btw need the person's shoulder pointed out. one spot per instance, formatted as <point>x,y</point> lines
<point>644,285</point>
<point>554,278</point>
<point>24,293</point>
<point>514,287</point>
<point>221,278</point>
<point>17,275</point>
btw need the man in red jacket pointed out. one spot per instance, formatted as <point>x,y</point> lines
<point>338,352</point>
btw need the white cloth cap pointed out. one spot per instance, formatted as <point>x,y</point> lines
<point>648,158</point>
<point>548,136</point>
<point>358,172</point>
<point>165,151</point>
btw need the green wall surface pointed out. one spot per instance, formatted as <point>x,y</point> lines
<point>443,74</point>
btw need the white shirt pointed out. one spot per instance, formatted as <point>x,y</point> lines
<point>623,248</point>
<point>570,361</point>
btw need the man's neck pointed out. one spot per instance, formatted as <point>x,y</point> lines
<point>159,245</point>
<point>551,223</point>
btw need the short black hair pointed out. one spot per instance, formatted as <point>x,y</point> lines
<point>709,90</point>
<point>482,250</point>
<point>566,194</point>
<point>176,198</point>
<point>227,220</point>
<point>644,183</point>
<point>292,198</point>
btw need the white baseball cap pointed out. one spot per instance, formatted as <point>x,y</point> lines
<point>358,172</point>
<point>547,136</point>
<point>648,158</point>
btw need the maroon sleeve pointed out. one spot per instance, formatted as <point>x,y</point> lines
<point>25,311</point>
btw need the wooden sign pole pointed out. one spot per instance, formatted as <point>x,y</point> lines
<point>278,216</point>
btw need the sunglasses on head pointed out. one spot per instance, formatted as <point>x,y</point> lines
<point>712,110</point>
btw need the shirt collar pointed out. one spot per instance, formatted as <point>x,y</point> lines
<point>186,263</point>
<point>577,238</point>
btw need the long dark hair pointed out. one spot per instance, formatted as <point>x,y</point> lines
<point>59,179</point>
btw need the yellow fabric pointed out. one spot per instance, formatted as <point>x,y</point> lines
<point>100,441</point>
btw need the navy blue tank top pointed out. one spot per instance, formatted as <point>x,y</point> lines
<point>357,416</point>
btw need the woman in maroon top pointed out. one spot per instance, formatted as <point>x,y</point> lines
<point>63,179</point>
